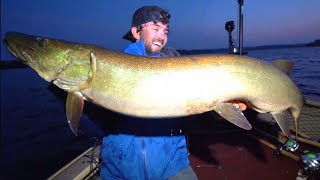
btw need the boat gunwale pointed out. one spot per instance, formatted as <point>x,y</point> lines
<point>312,100</point>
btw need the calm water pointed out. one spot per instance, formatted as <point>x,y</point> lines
<point>36,139</point>
<point>306,73</point>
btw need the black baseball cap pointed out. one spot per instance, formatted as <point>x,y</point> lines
<point>147,14</point>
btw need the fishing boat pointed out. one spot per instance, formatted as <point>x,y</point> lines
<point>259,153</point>
<point>85,166</point>
<point>220,150</point>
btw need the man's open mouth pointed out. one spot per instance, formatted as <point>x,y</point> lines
<point>157,43</point>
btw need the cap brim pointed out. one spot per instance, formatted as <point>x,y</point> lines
<point>129,37</point>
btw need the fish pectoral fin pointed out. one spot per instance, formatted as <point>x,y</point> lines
<point>233,114</point>
<point>281,119</point>
<point>74,107</point>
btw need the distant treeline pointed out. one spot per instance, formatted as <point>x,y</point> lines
<point>226,50</point>
<point>314,43</point>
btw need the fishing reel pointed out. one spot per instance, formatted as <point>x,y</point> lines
<point>310,166</point>
<point>311,162</point>
<point>290,145</point>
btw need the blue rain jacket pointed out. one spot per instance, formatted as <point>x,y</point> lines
<point>134,156</point>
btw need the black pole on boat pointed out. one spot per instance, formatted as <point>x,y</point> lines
<point>240,30</point>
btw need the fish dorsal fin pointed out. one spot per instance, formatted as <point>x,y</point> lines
<point>74,107</point>
<point>284,65</point>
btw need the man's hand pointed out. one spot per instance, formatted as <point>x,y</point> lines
<point>242,106</point>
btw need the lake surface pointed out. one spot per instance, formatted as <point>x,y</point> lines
<point>36,140</point>
<point>306,73</point>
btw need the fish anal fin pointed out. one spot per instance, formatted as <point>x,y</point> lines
<point>74,107</point>
<point>283,123</point>
<point>233,114</point>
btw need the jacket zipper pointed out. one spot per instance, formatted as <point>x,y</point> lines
<point>144,158</point>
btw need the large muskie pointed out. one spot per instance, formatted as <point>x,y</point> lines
<point>159,87</point>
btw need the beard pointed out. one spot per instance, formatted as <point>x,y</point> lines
<point>148,47</point>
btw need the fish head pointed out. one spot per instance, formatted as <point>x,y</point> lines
<point>44,55</point>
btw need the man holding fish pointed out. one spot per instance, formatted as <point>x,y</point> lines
<point>128,156</point>
<point>143,84</point>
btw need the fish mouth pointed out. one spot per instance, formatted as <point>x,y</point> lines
<point>7,44</point>
<point>17,47</point>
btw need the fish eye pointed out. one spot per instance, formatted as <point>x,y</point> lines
<point>42,41</point>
